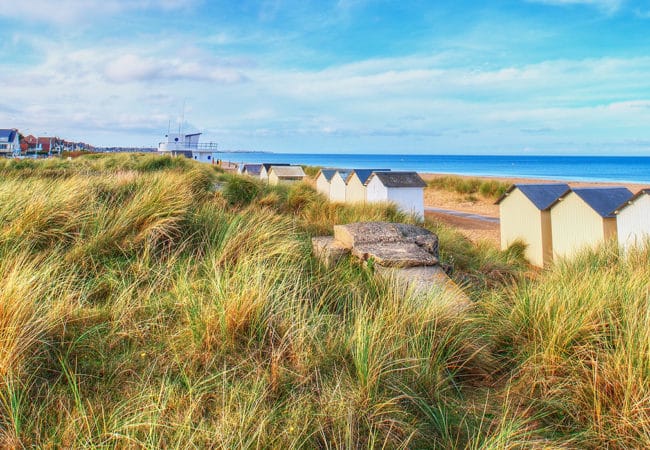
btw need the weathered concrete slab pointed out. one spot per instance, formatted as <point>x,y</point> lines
<point>395,254</point>
<point>353,234</point>
<point>426,280</point>
<point>328,249</point>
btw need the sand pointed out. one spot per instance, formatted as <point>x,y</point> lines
<point>478,230</point>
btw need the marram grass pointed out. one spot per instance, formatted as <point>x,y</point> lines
<point>151,302</point>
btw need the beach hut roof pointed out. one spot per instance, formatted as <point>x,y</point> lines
<point>603,200</point>
<point>398,179</point>
<point>327,173</point>
<point>253,169</point>
<point>268,166</point>
<point>364,174</point>
<point>541,195</point>
<point>632,199</point>
<point>288,171</point>
<point>344,173</point>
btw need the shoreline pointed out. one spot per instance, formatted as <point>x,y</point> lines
<point>632,186</point>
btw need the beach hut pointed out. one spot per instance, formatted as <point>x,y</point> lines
<point>355,191</point>
<point>338,185</point>
<point>324,180</point>
<point>264,171</point>
<point>633,221</point>
<point>583,217</point>
<point>285,174</point>
<point>524,216</point>
<point>405,189</point>
<point>252,170</point>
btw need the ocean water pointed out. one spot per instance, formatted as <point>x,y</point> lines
<point>629,169</point>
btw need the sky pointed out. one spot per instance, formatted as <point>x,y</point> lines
<point>539,77</point>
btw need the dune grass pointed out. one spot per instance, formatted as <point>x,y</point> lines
<point>153,302</point>
<point>492,189</point>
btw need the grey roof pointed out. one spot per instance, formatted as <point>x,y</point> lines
<point>328,173</point>
<point>364,174</point>
<point>398,179</point>
<point>603,200</point>
<point>541,195</point>
<point>9,135</point>
<point>267,166</point>
<point>253,169</point>
<point>287,171</point>
<point>631,200</point>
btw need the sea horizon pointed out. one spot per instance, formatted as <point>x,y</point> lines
<point>615,169</point>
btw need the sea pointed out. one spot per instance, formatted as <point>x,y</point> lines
<point>622,169</point>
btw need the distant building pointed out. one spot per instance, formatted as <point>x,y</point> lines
<point>633,221</point>
<point>355,191</point>
<point>264,172</point>
<point>405,189</point>
<point>180,144</point>
<point>338,185</point>
<point>30,144</point>
<point>252,170</point>
<point>324,181</point>
<point>285,174</point>
<point>9,142</point>
<point>524,216</point>
<point>583,217</point>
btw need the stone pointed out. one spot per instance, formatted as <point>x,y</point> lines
<point>425,280</point>
<point>353,234</point>
<point>395,254</point>
<point>328,249</point>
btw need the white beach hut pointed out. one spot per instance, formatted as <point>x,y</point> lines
<point>633,221</point>
<point>524,216</point>
<point>584,217</point>
<point>405,189</point>
<point>338,185</point>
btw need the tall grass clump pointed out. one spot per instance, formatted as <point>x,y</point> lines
<point>579,337</point>
<point>492,189</point>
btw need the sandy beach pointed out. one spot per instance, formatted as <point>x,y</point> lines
<point>478,230</point>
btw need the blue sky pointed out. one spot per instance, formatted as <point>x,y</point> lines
<point>350,76</point>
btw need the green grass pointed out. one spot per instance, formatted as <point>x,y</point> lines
<point>492,189</point>
<point>142,307</point>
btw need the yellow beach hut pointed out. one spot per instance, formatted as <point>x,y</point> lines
<point>584,217</point>
<point>285,174</point>
<point>324,181</point>
<point>355,191</point>
<point>524,217</point>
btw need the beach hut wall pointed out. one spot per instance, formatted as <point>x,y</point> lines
<point>285,174</point>
<point>584,217</point>
<point>524,216</point>
<point>633,221</point>
<point>355,191</point>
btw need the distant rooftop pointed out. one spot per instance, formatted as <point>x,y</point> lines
<point>329,173</point>
<point>399,179</point>
<point>364,174</point>
<point>288,171</point>
<point>267,166</point>
<point>7,135</point>
<point>541,195</point>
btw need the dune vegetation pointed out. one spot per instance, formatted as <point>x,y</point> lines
<point>491,189</point>
<point>154,302</point>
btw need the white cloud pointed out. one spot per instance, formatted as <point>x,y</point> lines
<point>130,67</point>
<point>69,11</point>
